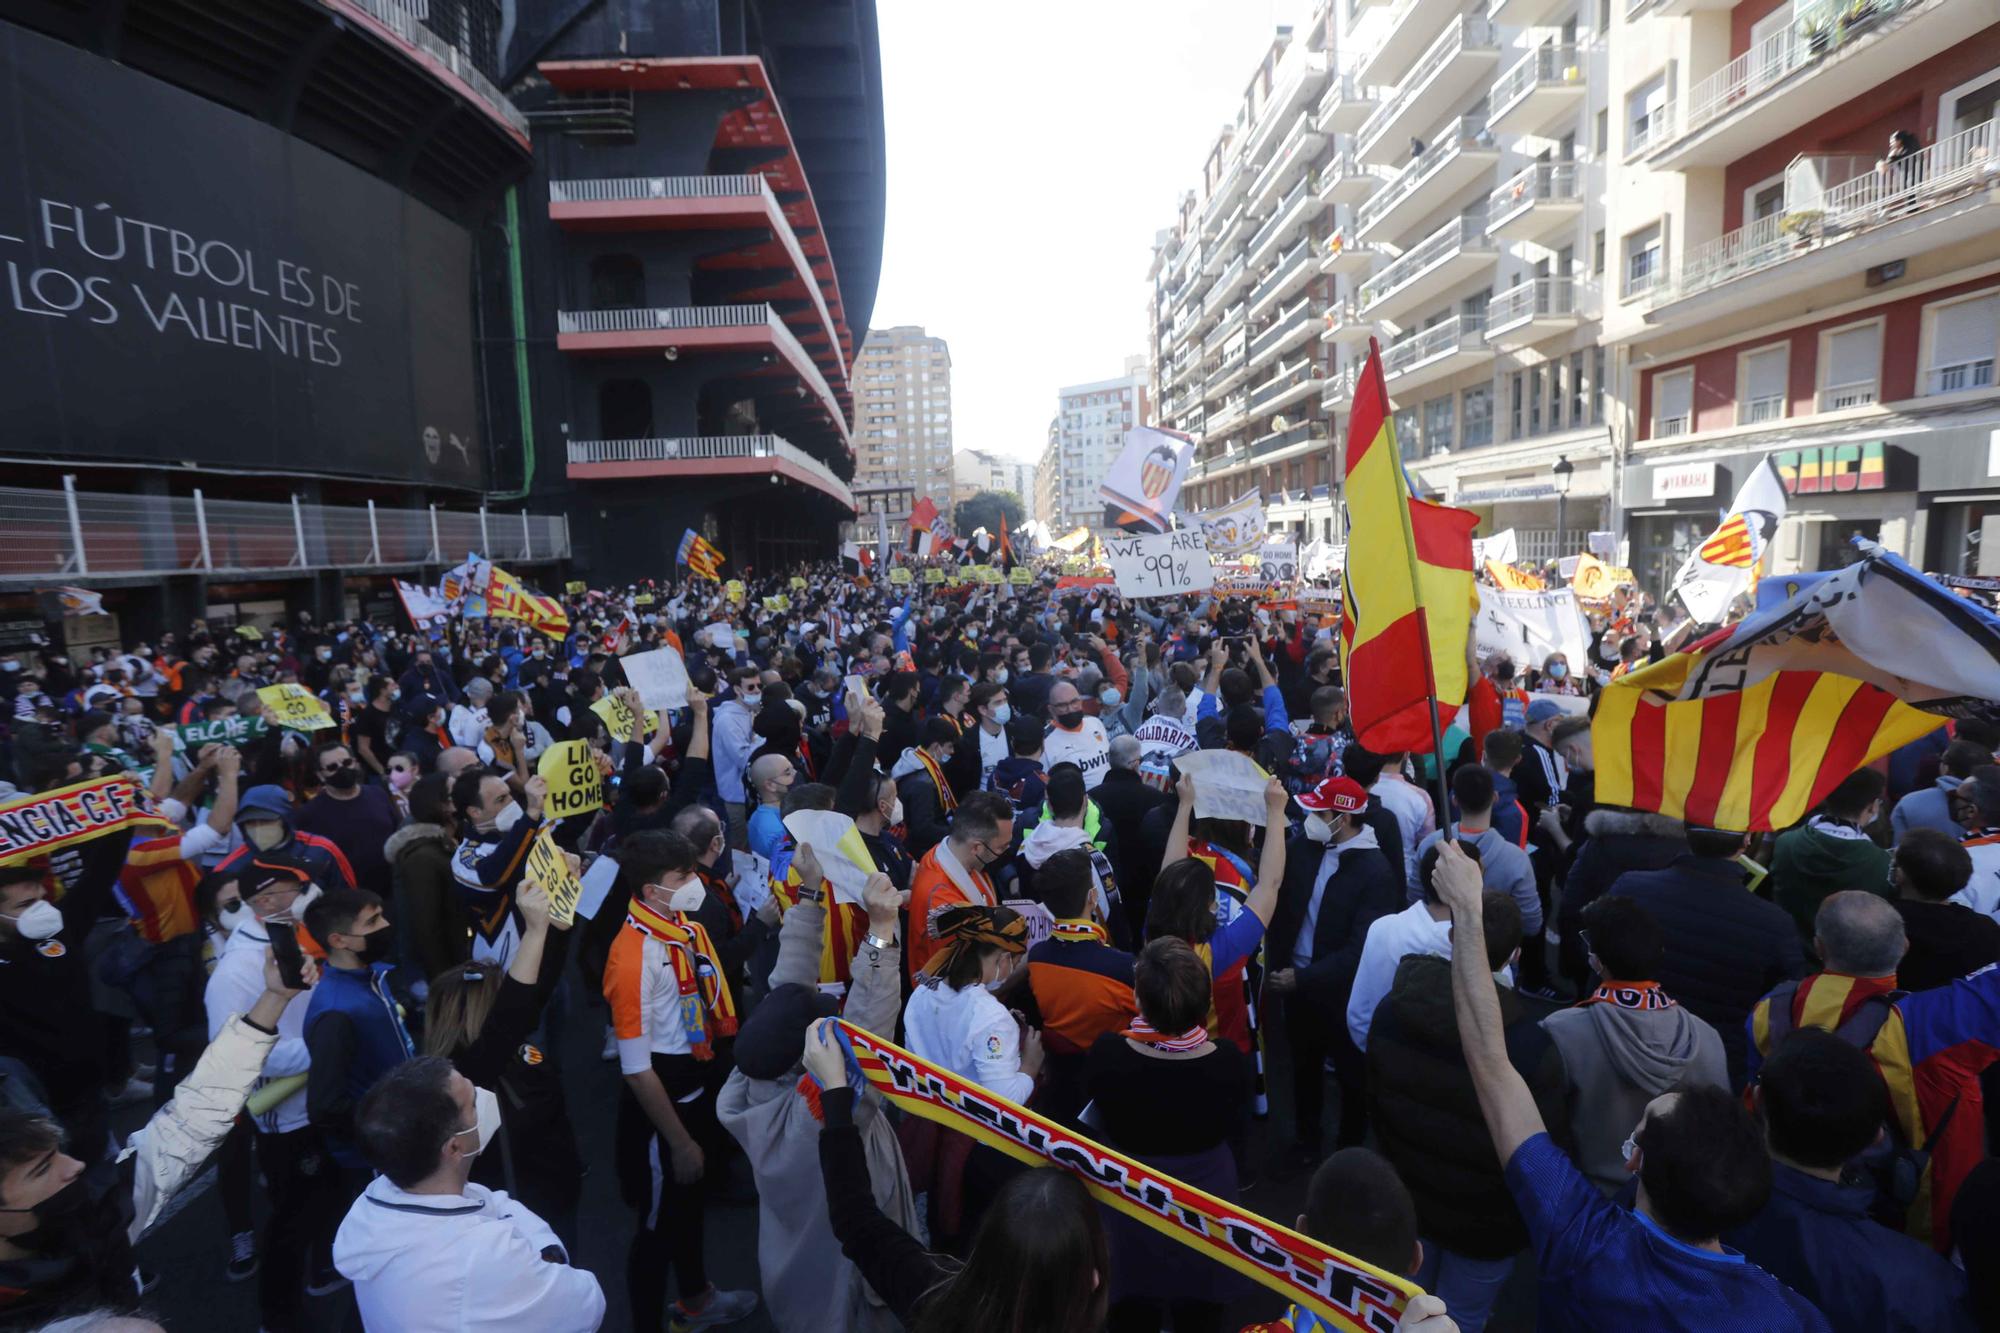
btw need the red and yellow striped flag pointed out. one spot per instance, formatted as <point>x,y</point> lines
<point>1754,758</point>
<point>1731,545</point>
<point>1413,599</point>
<point>507,598</point>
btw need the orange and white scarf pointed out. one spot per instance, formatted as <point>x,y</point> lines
<point>704,995</point>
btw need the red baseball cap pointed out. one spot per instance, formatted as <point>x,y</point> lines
<point>1340,795</point>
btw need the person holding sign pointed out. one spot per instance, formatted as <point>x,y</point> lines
<point>495,830</point>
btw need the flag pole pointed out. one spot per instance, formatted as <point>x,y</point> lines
<point>1374,368</point>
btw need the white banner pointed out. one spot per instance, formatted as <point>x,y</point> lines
<point>1236,527</point>
<point>1531,625</point>
<point>1146,479</point>
<point>1280,562</point>
<point>1501,547</point>
<point>659,676</point>
<point>1227,785</point>
<point>1320,559</point>
<point>1160,564</point>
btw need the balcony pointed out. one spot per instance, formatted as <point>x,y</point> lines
<point>1291,271</point>
<point>1835,224</point>
<point>1449,257</point>
<point>1344,180</point>
<point>1291,328</point>
<point>1294,85</point>
<point>1227,287</point>
<point>1438,352</point>
<point>405,25</point>
<point>1544,84</point>
<point>1462,57</point>
<point>1831,53</point>
<point>62,536</point>
<point>1227,417</point>
<point>1342,324</point>
<point>1462,154</point>
<point>1535,202</point>
<point>1679,8</point>
<point>683,330</point>
<point>1528,13</point>
<point>704,456</point>
<point>1291,160</point>
<point>1230,371</point>
<point>1289,385</point>
<point>1340,389</point>
<point>1348,104</point>
<point>1291,439</point>
<point>1525,314</point>
<point>1409,30</point>
<point>1343,254</point>
<point>1230,323</point>
<point>1283,224</point>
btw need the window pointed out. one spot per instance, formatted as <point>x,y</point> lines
<point>1557,394</point>
<point>1602,139</point>
<point>1406,432</point>
<point>1968,107</point>
<point>1516,393</point>
<point>1646,111</point>
<point>1477,410</point>
<point>1535,382</point>
<point>1579,396</point>
<point>617,282</point>
<point>1602,395</point>
<point>625,409</point>
<point>1597,249</point>
<point>1643,252</point>
<point>1764,200</point>
<point>1438,425</point>
<point>1850,362</point>
<point>1760,380</point>
<point>1673,403</point>
<point>1962,339</point>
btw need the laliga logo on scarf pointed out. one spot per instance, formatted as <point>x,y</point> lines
<point>1156,473</point>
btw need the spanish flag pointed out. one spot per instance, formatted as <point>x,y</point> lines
<point>1408,608</point>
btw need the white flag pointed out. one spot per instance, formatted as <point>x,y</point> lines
<point>1531,625</point>
<point>1146,479</point>
<point>1236,527</point>
<point>423,605</point>
<point>1725,566</point>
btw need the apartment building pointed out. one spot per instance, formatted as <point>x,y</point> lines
<point>1785,287</point>
<point>976,470</point>
<point>1084,440</point>
<point>902,424</point>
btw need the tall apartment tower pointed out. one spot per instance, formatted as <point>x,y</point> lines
<point>1091,422</point>
<point>1804,269</point>
<point>902,428</point>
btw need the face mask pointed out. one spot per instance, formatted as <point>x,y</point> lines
<point>402,778</point>
<point>1000,676</point>
<point>1004,714</point>
<point>753,701</point>
<point>376,945</point>
<point>1557,671</point>
<point>39,920</point>
<point>1109,698</point>
<point>508,817</point>
<point>1318,829</point>
<point>264,834</point>
<point>324,654</point>
<point>229,918</point>
<point>357,695</point>
<point>1069,721</point>
<point>895,815</point>
<point>485,1120</point>
<point>64,1205</point>
<point>344,779</point>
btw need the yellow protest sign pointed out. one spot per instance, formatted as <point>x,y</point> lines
<point>250,632</point>
<point>294,707</point>
<point>575,785</point>
<point>1021,576</point>
<point>934,575</point>
<point>988,574</point>
<point>733,590</point>
<point>617,717</point>
<point>643,599</point>
<point>779,603</point>
<point>798,583</point>
<point>899,576</point>
<point>1595,581</point>
<point>1076,564</point>
<point>576,587</point>
<point>548,867</point>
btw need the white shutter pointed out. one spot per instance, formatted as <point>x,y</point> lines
<point>1764,374</point>
<point>1676,394</point>
<point>1965,331</point>
<point>1853,356</point>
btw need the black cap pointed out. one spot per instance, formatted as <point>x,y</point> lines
<point>774,1036</point>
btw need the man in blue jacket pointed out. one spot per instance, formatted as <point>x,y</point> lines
<point>354,1026</point>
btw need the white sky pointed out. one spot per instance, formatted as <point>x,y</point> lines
<point>1034,150</point>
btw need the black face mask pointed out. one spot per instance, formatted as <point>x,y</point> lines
<point>1069,721</point>
<point>56,1216</point>
<point>345,778</point>
<point>377,945</point>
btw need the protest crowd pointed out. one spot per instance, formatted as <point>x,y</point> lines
<point>985,927</point>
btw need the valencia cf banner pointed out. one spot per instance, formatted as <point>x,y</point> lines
<point>1347,1293</point>
<point>37,825</point>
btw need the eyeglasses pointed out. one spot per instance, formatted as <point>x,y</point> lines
<point>330,769</point>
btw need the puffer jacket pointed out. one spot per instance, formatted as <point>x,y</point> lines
<point>1421,1101</point>
<point>1615,841</point>
<point>430,925</point>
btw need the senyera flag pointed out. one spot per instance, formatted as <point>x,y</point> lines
<point>507,598</point>
<point>700,556</point>
<point>1347,1293</point>
<point>1751,727</point>
<point>1409,606</point>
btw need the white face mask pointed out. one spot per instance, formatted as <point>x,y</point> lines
<point>895,815</point>
<point>264,834</point>
<point>485,1121</point>
<point>39,920</point>
<point>753,701</point>
<point>1000,676</point>
<point>1318,828</point>
<point>1004,714</point>
<point>508,817</point>
<point>229,918</point>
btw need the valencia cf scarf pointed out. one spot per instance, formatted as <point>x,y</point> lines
<point>1079,932</point>
<point>946,801</point>
<point>1630,995</point>
<point>703,993</point>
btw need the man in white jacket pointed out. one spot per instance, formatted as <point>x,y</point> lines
<point>430,1252</point>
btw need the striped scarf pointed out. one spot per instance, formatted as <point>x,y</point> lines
<point>1078,932</point>
<point>1630,995</point>
<point>702,991</point>
<point>1145,1033</point>
<point>946,801</point>
<point>846,925</point>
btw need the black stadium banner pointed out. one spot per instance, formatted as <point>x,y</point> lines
<point>183,283</point>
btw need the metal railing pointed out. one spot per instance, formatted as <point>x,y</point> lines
<point>1343,165</point>
<point>1551,63</point>
<point>1286,323</point>
<point>612,188</point>
<point>1460,333</point>
<point>70,534</point>
<point>649,320</point>
<point>1537,183</point>
<point>1224,287</point>
<point>1344,87</point>
<point>1537,298</point>
<point>1230,414</point>
<point>1340,389</point>
<point>1275,223</point>
<point>1265,445</point>
<point>1465,32</point>
<point>698,447</point>
<point>1454,237</point>
<point>1948,170</point>
<point>1231,322</point>
<point>1287,379</point>
<point>1287,267</point>
<point>1813,31</point>
<point>404,22</point>
<point>1651,129</point>
<point>1466,132</point>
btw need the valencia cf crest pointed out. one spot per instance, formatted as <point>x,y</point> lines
<point>51,949</point>
<point>529,1054</point>
<point>1156,472</point>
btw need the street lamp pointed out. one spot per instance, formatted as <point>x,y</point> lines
<point>1563,469</point>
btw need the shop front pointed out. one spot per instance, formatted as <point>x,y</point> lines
<point>1533,500</point>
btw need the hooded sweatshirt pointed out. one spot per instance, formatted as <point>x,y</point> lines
<point>1616,1060</point>
<point>1823,858</point>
